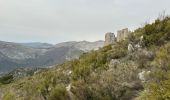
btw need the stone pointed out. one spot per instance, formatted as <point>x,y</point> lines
<point>144,75</point>
<point>141,38</point>
<point>146,53</point>
<point>114,61</point>
<point>130,48</point>
<point>137,46</point>
<point>141,76</point>
<point>141,41</point>
<point>68,88</point>
<point>109,38</point>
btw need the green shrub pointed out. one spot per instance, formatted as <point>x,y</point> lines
<point>6,79</point>
<point>119,50</point>
<point>157,33</point>
<point>59,93</point>
<point>9,96</point>
<point>90,62</point>
<point>105,49</point>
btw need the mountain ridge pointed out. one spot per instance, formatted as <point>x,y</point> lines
<point>14,55</point>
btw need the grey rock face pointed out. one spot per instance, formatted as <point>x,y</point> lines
<point>122,34</point>
<point>109,38</point>
<point>130,48</point>
<point>143,76</point>
<point>114,62</point>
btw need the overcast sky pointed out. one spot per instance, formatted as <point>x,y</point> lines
<point>55,21</point>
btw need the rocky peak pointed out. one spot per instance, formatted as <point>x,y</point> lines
<point>109,38</point>
<point>122,34</point>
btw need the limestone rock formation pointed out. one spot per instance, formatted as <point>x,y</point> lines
<point>122,34</point>
<point>130,48</point>
<point>110,38</point>
<point>143,76</point>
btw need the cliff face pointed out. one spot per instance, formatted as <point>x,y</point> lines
<point>109,38</point>
<point>122,34</point>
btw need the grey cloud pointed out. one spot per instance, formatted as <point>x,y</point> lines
<point>64,20</point>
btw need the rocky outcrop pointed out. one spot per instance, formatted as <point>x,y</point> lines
<point>130,48</point>
<point>114,62</point>
<point>109,38</point>
<point>122,34</point>
<point>71,95</point>
<point>143,76</point>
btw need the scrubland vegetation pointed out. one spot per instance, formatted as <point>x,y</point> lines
<point>110,73</point>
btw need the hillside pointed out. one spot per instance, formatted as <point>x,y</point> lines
<point>134,69</point>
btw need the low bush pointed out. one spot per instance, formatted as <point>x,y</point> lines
<point>6,79</point>
<point>59,93</point>
<point>119,50</point>
<point>159,88</point>
<point>157,33</point>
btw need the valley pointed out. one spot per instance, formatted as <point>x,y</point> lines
<point>18,55</point>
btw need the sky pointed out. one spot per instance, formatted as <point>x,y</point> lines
<point>55,21</point>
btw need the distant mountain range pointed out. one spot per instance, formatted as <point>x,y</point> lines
<point>16,55</point>
<point>38,45</point>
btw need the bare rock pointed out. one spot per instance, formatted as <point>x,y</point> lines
<point>130,48</point>
<point>143,76</point>
<point>122,34</point>
<point>110,38</point>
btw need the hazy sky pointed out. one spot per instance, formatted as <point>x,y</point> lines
<point>56,21</point>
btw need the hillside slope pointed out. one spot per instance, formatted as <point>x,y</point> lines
<point>134,69</point>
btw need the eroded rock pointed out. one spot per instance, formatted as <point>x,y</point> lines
<point>130,48</point>
<point>110,38</point>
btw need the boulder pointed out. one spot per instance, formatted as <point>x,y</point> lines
<point>143,76</point>
<point>114,63</point>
